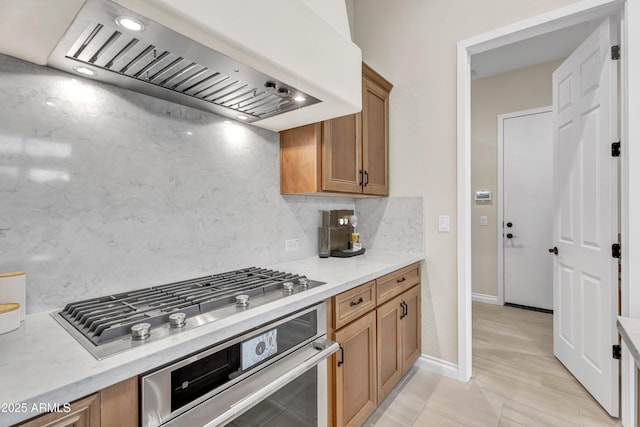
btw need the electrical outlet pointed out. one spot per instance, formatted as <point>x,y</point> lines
<point>292,245</point>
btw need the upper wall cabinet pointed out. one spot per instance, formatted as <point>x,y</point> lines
<point>347,155</point>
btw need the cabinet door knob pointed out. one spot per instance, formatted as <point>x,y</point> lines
<point>341,361</point>
<point>554,250</point>
<point>366,178</point>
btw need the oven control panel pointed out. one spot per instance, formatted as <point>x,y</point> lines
<point>259,348</point>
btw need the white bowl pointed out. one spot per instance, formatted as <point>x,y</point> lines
<point>9,317</point>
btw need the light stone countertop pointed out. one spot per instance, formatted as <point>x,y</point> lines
<point>629,328</point>
<point>42,363</point>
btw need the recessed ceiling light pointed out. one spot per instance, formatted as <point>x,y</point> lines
<point>84,71</point>
<point>299,98</point>
<point>129,23</point>
<point>242,117</point>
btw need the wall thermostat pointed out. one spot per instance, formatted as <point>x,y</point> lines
<point>483,196</point>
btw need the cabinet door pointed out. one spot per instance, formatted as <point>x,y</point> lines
<point>355,369</point>
<point>84,413</point>
<point>300,157</point>
<point>341,154</point>
<point>389,346</point>
<point>411,328</point>
<point>375,138</point>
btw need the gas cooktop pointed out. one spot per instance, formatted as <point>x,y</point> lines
<point>112,324</point>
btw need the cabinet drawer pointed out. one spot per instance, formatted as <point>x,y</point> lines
<point>353,303</point>
<point>395,283</point>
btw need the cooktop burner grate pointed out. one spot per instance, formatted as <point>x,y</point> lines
<point>105,319</point>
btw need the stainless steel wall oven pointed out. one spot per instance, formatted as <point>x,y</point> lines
<point>274,375</point>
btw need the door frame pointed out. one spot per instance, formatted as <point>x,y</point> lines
<point>573,14</point>
<point>500,196</point>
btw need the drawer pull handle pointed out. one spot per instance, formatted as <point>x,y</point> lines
<point>353,304</point>
<point>341,361</point>
<point>402,279</point>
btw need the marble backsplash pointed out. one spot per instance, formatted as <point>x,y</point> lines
<point>392,224</point>
<point>103,190</point>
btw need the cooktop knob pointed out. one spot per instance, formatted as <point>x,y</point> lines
<point>242,300</point>
<point>177,320</point>
<point>140,331</point>
<point>288,287</point>
<point>304,282</point>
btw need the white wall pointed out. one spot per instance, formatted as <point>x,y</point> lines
<point>518,90</point>
<point>413,44</point>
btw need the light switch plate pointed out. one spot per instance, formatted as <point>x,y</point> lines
<point>444,223</point>
<point>483,220</point>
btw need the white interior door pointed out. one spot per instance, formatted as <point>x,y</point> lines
<point>586,215</point>
<point>527,141</point>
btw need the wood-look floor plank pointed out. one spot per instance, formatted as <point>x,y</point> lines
<point>516,382</point>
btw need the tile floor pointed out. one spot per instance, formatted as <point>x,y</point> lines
<point>516,382</point>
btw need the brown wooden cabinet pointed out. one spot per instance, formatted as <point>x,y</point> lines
<point>411,328</point>
<point>114,406</point>
<point>345,155</point>
<point>398,339</point>
<point>83,413</point>
<point>398,335</point>
<point>355,397</point>
<point>384,313</point>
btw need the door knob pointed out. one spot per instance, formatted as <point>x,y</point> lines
<point>509,224</point>
<point>554,250</point>
<point>509,236</point>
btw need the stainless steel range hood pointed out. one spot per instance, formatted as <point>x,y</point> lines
<point>163,63</point>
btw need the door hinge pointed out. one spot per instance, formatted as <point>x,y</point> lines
<point>616,352</point>
<point>615,149</point>
<point>615,52</point>
<point>616,251</point>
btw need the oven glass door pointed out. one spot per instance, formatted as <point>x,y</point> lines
<point>296,404</point>
<point>282,391</point>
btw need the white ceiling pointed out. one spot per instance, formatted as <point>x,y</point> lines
<point>537,50</point>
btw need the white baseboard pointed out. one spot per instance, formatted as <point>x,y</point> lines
<point>487,299</point>
<point>438,366</point>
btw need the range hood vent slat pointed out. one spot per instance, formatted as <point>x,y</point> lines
<point>206,92</point>
<point>180,73</point>
<point>204,84</point>
<point>110,41</point>
<point>190,81</point>
<point>136,60</point>
<point>226,91</point>
<point>169,65</point>
<point>84,41</point>
<point>125,56</point>
<point>152,59</point>
<point>119,47</point>
<point>239,98</point>
<point>98,40</point>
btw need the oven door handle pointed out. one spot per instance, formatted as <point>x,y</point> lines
<point>232,402</point>
<point>326,349</point>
